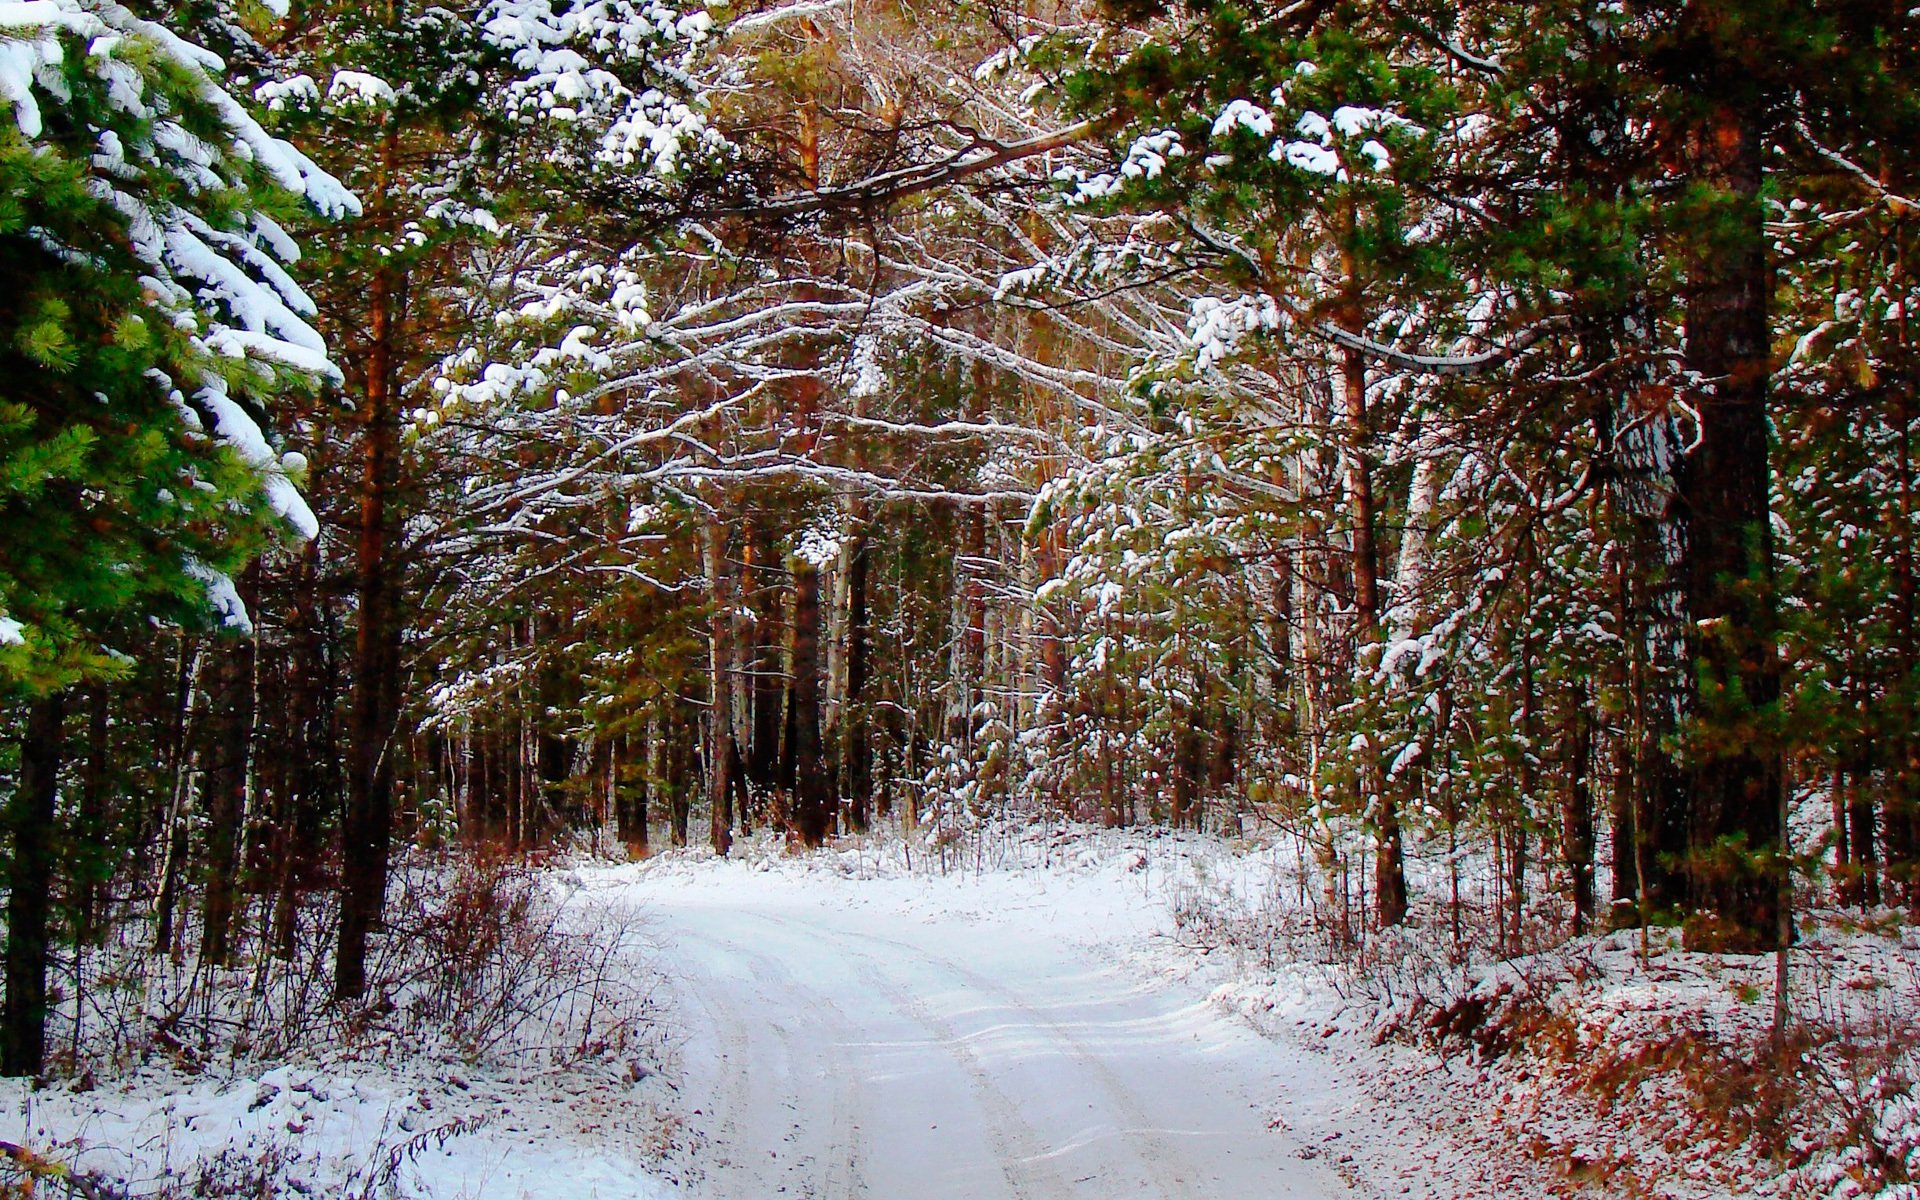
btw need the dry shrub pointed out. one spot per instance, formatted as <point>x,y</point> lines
<point>233,1175</point>
<point>25,1174</point>
<point>1486,1022</point>
<point>481,957</point>
<point>1664,1078</point>
<point>1732,1090</point>
<point>484,954</point>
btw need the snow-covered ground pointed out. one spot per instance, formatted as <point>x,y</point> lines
<point>1045,1014</point>
<point>407,1130</point>
<point>967,1038</point>
<point>1027,1022</point>
<point>1020,1020</point>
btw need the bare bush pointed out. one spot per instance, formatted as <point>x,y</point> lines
<point>482,952</point>
<point>482,958</point>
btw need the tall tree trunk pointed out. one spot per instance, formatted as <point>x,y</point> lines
<point>1529,777</point>
<point>631,788</point>
<point>812,789</point>
<point>720,756</point>
<point>769,662</point>
<point>366,830</point>
<point>298,807</point>
<point>856,738</point>
<point>682,730</point>
<point>1864,860</point>
<point>1902,805</point>
<point>23,1039</point>
<point>1576,817</point>
<point>1054,627</point>
<point>173,830</point>
<point>1734,865</point>
<point>969,624</point>
<point>91,867</point>
<point>1390,880</point>
<point>229,757</point>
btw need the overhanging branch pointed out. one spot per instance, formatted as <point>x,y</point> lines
<point>875,190</point>
<point>1441,365</point>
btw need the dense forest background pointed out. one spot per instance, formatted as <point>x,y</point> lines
<point>1476,439</point>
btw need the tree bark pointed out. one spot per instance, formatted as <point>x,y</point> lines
<point>812,814</point>
<point>1734,865</point>
<point>631,786</point>
<point>1863,862</point>
<point>366,831</point>
<point>1576,819</point>
<point>23,1040</point>
<point>1390,881</point>
<point>768,691</point>
<point>91,867</point>
<point>856,741</point>
<point>1902,805</point>
<point>683,729</point>
<point>306,793</point>
<point>720,756</point>
<point>229,757</point>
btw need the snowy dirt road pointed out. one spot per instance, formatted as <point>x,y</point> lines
<point>853,1042</point>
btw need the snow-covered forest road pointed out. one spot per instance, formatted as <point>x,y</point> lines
<point>892,1045</point>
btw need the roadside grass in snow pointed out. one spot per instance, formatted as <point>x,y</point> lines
<point>1623,1067</point>
<point>510,1027</point>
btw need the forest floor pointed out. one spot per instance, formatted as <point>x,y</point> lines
<point>1042,1014</point>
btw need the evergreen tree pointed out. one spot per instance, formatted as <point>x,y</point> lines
<point>151,319</point>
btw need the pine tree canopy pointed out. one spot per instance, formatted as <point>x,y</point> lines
<point>149,319</point>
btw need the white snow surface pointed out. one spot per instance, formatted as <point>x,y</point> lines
<point>1022,1027</point>
<point>1036,1013</point>
<point>336,1131</point>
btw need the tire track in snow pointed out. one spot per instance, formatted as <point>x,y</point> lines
<point>753,1045</point>
<point>1042,1075</point>
<point>1020,1151</point>
<point>1152,1157</point>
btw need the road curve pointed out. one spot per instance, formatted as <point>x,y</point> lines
<point>835,1052</point>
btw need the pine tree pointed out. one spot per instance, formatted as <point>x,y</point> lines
<point>152,318</point>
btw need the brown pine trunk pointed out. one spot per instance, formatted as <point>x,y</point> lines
<point>970,624</point>
<point>1054,629</point>
<point>366,830</point>
<point>1734,867</point>
<point>1576,816</point>
<point>1390,881</point>
<point>719,756</point>
<point>1735,787</point>
<point>296,820</point>
<point>682,730</point>
<point>173,829</point>
<point>23,1025</point>
<point>1864,857</point>
<point>769,663</point>
<point>1529,779</point>
<point>1902,805</point>
<point>229,756</point>
<point>856,739</point>
<point>631,788</point>
<point>91,867</point>
<point>812,814</point>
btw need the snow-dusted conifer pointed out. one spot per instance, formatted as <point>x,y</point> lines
<point>151,320</point>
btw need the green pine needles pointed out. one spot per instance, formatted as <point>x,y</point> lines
<point>147,321</point>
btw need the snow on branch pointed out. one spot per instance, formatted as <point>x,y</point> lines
<point>1442,365</point>
<point>983,154</point>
